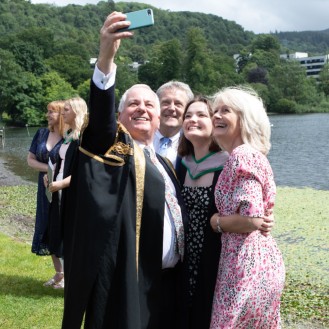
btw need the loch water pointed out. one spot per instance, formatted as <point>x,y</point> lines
<point>299,155</point>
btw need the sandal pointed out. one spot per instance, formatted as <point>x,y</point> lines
<point>59,284</point>
<point>59,276</point>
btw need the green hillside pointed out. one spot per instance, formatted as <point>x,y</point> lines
<point>45,53</point>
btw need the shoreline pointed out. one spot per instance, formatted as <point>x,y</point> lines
<point>8,178</point>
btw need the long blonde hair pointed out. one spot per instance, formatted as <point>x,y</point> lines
<point>80,108</point>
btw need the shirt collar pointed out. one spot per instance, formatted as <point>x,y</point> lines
<point>173,138</point>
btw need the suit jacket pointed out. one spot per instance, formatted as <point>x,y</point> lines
<point>113,234</point>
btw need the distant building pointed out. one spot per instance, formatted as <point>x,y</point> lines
<point>313,65</point>
<point>294,55</point>
<point>92,62</point>
<point>134,65</point>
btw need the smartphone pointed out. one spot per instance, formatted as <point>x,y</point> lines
<point>139,19</point>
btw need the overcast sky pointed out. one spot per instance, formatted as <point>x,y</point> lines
<point>259,16</point>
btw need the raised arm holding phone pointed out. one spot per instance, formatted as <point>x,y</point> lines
<point>122,264</point>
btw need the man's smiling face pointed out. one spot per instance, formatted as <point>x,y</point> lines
<point>140,115</point>
<point>172,103</point>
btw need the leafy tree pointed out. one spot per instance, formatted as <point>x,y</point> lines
<point>288,81</point>
<point>126,77</point>
<point>148,73</point>
<point>29,57</point>
<point>10,73</point>
<point>170,57</point>
<point>199,68</point>
<point>40,37</point>
<point>71,47</point>
<point>55,87</point>
<point>26,100</point>
<point>83,90</point>
<point>226,73</point>
<point>324,79</point>
<point>193,47</point>
<point>72,68</point>
<point>267,43</point>
<point>265,59</point>
<point>258,75</point>
<point>137,54</point>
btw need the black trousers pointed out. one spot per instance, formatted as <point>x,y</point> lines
<point>168,311</point>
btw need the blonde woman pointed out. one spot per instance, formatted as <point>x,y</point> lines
<point>74,116</point>
<point>251,272</point>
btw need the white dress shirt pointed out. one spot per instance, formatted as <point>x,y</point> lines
<point>171,150</point>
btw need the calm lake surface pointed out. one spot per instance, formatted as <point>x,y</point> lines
<point>299,154</point>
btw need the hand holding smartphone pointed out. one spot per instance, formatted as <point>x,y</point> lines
<point>139,19</point>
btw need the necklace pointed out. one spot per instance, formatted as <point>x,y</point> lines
<point>68,138</point>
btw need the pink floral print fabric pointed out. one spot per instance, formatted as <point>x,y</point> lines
<point>251,271</point>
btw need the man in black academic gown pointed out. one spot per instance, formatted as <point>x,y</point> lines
<point>122,264</point>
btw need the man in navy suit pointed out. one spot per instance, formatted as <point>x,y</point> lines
<point>123,238</point>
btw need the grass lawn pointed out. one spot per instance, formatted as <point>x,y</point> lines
<point>301,230</point>
<point>25,303</point>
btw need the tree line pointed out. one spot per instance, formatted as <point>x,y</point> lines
<point>45,55</point>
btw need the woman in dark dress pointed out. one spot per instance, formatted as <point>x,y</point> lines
<point>201,165</point>
<point>74,115</point>
<point>45,145</point>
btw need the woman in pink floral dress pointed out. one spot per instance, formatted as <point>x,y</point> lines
<point>251,272</point>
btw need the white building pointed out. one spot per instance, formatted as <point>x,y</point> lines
<point>313,65</point>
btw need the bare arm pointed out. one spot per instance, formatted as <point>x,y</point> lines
<point>56,185</point>
<point>35,164</point>
<point>59,185</point>
<point>242,224</point>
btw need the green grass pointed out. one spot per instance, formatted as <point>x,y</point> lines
<point>301,230</point>
<point>25,303</point>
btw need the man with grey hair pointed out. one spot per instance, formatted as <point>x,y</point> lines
<point>173,96</point>
<point>124,231</point>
